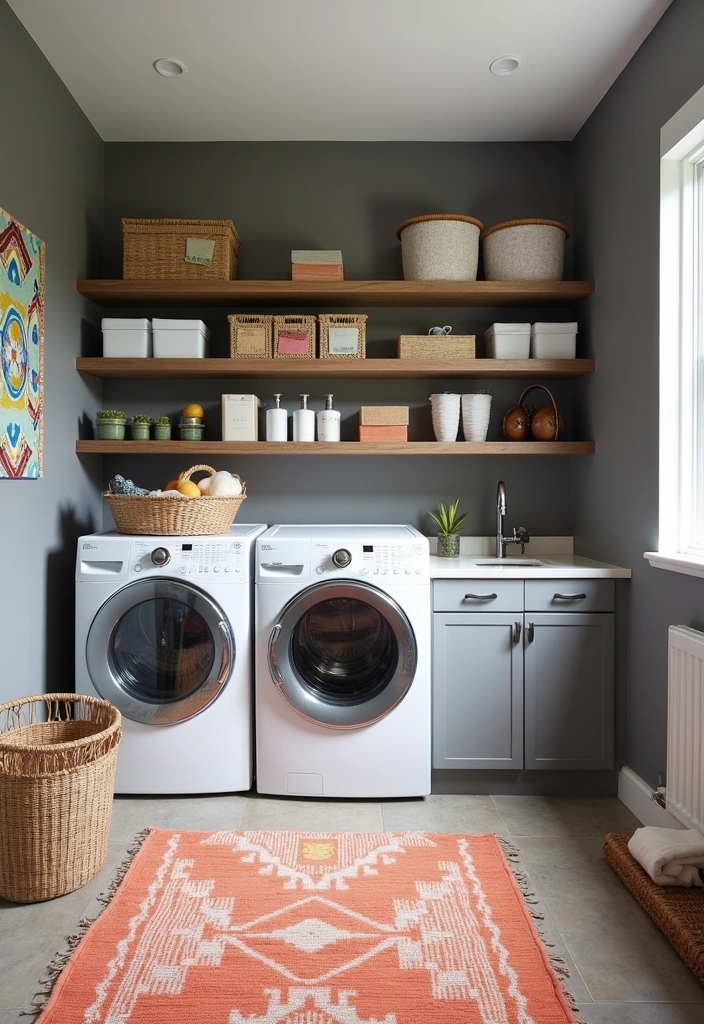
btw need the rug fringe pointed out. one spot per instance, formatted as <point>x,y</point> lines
<point>61,958</point>
<point>557,962</point>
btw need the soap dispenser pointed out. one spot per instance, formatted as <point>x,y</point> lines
<point>328,422</point>
<point>277,422</point>
<point>304,422</point>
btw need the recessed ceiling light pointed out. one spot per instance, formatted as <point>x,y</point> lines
<point>504,65</point>
<point>169,67</point>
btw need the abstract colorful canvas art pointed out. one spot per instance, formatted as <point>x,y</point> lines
<point>21,350</point>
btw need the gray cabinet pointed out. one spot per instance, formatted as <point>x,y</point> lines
<point>517,684</point>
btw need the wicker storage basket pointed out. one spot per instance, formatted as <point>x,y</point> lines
<point>155,250</point>
<point>58,754</point>
<point>350,348</point>
<point>298,341</point>
<point>424,346</point>
<point>250,336</point>
<point>175,517</point>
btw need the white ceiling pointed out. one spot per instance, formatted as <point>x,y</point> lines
<point>356,70</point>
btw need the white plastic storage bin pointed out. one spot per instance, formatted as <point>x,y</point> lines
<point>508,341</point>
<point>180,339</point>
<point>126,339</point>
<point>553,341</point>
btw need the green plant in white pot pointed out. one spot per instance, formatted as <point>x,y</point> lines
<point>449,521</point>
<point>111,424</point>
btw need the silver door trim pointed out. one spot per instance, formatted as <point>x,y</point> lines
<point>292,686</point>
<point>109,686</point>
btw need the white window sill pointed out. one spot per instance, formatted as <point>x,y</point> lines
<point>691,565</point>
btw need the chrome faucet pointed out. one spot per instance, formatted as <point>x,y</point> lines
<point>519,536</point>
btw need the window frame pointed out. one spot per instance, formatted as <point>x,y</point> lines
<point>681,310</point>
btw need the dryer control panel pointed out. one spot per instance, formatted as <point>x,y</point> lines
<point>315,560</point>
<point>216,559</point>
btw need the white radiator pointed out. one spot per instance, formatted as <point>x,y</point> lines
<point>685,726</point>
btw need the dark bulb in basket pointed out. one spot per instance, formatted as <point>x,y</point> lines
<point>516,426</point>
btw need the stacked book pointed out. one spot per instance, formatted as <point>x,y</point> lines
<point>316,265</point>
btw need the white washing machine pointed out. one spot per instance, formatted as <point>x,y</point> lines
<point>163,631</point>
<point>342,661</point>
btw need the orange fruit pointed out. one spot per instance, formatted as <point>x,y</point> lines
<point>194,410</point>
<point>172,485</point>
<point>189,488</point>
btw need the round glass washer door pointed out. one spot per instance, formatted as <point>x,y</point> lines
<point>160,650</point>
<point>343,654</point>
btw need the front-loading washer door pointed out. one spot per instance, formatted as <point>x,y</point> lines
<point>160,650</point>
<point>343,654</point>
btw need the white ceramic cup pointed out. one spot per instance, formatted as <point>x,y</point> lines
<point>475,416</point>
<point>445,409</point>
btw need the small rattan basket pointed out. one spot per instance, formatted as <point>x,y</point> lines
<point>294,337</point>
<point>424,346</point>
<point>250,336</point>
<point>356,323</point>
<point>58,753</point>
<point>156,250</point>
<point>175,517</point>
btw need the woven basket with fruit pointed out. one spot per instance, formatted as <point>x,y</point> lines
<point>183,508</point>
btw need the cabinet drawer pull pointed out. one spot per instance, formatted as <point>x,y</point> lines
<point>569,597</point>
<point>530,632</point>
<point>480,597</point>
<point>516,632</point>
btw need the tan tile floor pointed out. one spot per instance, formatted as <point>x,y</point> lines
<point>622,970</point>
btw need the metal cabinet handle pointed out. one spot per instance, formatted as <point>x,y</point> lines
<point>516,632</point>
<point>530,632</point>
<point>480,597</point>
<point>569,597</point>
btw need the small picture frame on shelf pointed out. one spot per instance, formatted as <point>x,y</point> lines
<point>250,336</point>
<point>294,337</point>
<point>342,335</point>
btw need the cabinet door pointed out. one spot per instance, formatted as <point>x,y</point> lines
<point>569,690</point>
<point>477,690</point>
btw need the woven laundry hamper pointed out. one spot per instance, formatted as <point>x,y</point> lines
<point>58,753</point>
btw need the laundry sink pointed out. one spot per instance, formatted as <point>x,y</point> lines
<point>509,562</point>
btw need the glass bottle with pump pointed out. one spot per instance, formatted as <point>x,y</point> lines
<point>277,422</point>
<point>328,422</point>
<point>304,422</point>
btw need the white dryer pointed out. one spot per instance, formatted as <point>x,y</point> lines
<point>342,661</point>
<point>164,632</point>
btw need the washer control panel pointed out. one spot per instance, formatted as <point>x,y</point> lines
<point>406,562</point>
<point>194,558</point>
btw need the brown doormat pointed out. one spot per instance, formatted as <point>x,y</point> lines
<point>678,912</point>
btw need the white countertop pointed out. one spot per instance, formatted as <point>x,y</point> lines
<point>558,566</point>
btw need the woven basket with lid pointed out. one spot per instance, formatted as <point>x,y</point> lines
<point>175,517</point>
<point>155,249</point>
<point>58,753</point>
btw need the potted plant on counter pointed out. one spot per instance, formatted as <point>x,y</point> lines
<point>111,424</point>
<point>449,522</point>
<point>140,427</point>
<point>162,428</point>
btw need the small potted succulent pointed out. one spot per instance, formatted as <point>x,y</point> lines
<point>111,424</point>
<point>140,427</point>
<point>162,428</point>
<point>449,522</point>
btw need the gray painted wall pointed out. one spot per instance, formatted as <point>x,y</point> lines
<point>51,179</point>
<point>350,196</point>
<point>616,164</point>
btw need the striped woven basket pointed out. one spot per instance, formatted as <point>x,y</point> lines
<point>58,753</point>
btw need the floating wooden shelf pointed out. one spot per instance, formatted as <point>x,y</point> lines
<point>337,293</point>
<point>368,369</point>
<point>520,448</point>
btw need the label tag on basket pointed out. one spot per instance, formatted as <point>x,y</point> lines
<point>252,341</point>
<point>200,251</point>
<point>294,342</point>
<point>343,341</point>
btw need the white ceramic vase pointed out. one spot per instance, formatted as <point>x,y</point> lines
<point>445,409</point>
<point>475,416</point>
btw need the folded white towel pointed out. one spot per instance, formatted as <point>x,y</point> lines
<point>670,856</point>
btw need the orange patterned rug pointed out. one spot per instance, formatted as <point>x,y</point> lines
<point>312,928</point>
